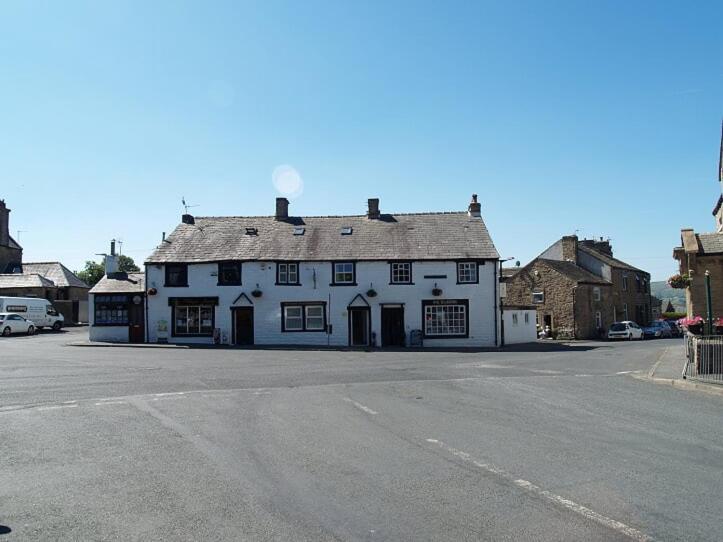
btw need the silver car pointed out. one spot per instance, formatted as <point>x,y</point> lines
<point>14,323</point>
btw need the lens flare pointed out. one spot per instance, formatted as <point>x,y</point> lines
<point>287,181</point>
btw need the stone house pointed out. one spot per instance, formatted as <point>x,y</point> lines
<point>579,288</point>
<point>375,279</point>
<point>701,253</point>
<point>11,253</point>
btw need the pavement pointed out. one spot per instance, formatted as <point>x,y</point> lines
<point>550,443</point>
<point>668,370</point>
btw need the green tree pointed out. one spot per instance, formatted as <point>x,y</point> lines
<point>94,271</point>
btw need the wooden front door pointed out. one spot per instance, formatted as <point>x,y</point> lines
<point>393,326</point>
<point>136,320</point>
<point>243,326</point>
<point>359,326</point>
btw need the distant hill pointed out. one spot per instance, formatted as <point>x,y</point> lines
<point>661,290</point>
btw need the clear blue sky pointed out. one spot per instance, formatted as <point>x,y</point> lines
<point>598,117</point>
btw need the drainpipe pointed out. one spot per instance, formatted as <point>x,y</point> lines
<point>145,300</point>
<point>498,314</point>
<point>574,315</point>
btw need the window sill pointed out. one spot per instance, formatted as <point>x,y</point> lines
<point>229,284</point>
<point>463,283</point>
<point>110,325</point>
<point>343,284</point>
<point>288,284</point>
<point>175,285</point>
<point>303,330</point>
<point>401,284</point>
<point>465,336</point>
<point>195,336</point>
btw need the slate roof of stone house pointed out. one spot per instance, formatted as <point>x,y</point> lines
<point>120,283</point>
<point>609,260</point>
<point>710,243</point>
<point>510,272</point>
<point>421,236</point>
<point>57,272</point>
<point>25,280</point>
<point>574,272</point>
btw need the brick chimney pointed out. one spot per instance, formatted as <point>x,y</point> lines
<point>282,209</point>
<point>4,225</point>
<point>475,208</point>
<point>373,206</point>
<point>569,248</point>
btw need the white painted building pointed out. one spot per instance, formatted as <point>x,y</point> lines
<point>368,280</point>
<point>519,324</point>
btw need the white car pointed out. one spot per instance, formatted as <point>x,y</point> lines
<point>625,330</point>
<point>14,323</point>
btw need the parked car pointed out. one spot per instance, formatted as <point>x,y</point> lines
<point>675,329</point>
<point>625,330</point>
<point>40,311</point>
<point>14,323</point>
<point>659,329</point>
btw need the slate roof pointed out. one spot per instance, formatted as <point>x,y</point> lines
<point>121,283</point>
<point>25,280</point>
<point>510,272</point>
<point>710,243</point>
<point>609,260</point>
<point>55,271</point>
<point>574,272</point>
<point>422,236</point>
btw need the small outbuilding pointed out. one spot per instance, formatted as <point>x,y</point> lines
<point>117,308</point>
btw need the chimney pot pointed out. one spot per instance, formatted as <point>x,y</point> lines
<point>373,205</point>
<point>282,209</point>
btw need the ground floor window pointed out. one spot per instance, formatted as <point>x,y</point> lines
<point>446,318</point>
<point>193,320</point>
<point>309,316</point>
<point>111,310</point>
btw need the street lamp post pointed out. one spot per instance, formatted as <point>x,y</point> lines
<point>708,303</point>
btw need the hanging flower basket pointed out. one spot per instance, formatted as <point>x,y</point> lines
<point>371,292</point>
<point>257,293</point>
<point>152,291</point>
<point>694,325</point>
<point>679,281</point>
<point>437,292</point>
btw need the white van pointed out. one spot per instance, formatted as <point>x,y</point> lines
<point>40,311</point>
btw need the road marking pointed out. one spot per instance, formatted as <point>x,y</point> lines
<point>361,407</point>
<point>557,499</point>
<point>112,403</point>
<point>169,393</point>
<point>624,372</point>
<point>56,407</point>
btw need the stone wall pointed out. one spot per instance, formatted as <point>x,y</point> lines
<point>631,296</point>
<point>695,294</point>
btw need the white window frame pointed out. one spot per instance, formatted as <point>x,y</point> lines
<point>596,293</point>
<point>343,269</point>
<point>625,283</point>
<point>297,318</point>
<point>398,270</point>
<point>467,272</point>
<point>538,297</point>
<point>309,317</point>
<point>198,330</point>
<point>288,273</point>
<point>445,320</point>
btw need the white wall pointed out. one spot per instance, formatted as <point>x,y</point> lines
<point>521,332</point>
<point>106,334</point>
<point>202,282</point>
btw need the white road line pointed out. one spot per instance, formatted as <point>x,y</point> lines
<point>56,407</point>
<point>624,372</point>
<point>112,403</point>
<point>557,499</point>
<point>169,393</point>
<point>361,407</point>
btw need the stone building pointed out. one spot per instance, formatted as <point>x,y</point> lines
<point>579,288</point>
<point>11,253</point>
<point>701,253</point>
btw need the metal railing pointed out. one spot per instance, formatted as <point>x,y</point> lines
<point>704,358</point>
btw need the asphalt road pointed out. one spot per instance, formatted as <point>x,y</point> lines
<point>558,443</point>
